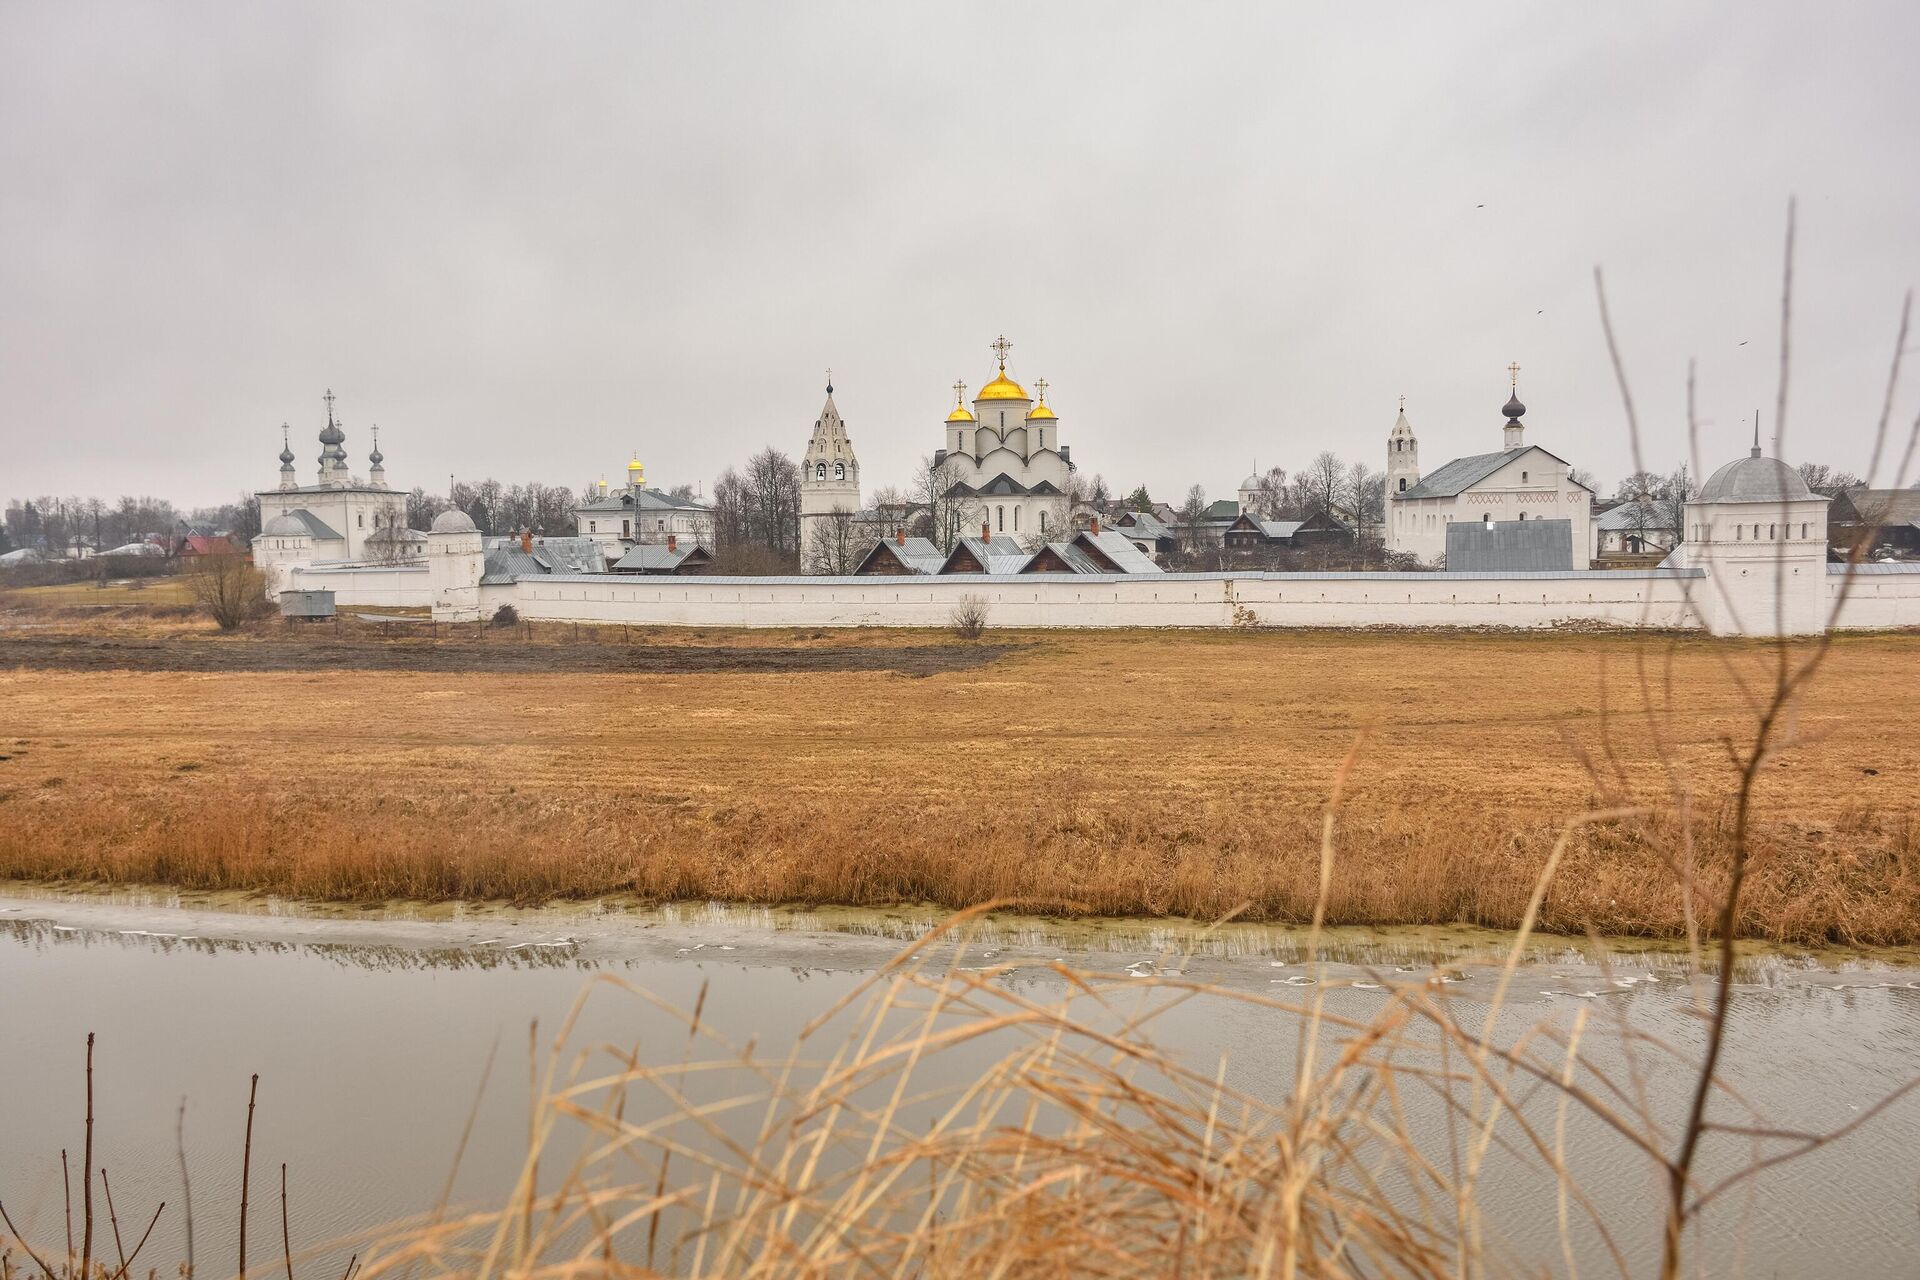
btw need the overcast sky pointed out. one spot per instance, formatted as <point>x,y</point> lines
<point>527,240</point>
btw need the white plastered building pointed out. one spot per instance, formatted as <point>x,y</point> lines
<point>340,515</point>
<point>639,516</point>
<point>1517,482</point>
<point>1009,467</point>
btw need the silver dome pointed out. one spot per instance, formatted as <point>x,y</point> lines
<point>454,521</point>
<point>284,526</point>
<point>1755,479</point>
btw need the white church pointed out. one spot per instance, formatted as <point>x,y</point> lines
<point>1517,482</point>
<point>1006,458</point>
<point>339,516</point>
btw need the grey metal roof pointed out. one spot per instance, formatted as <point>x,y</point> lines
<point>1461,474</point>
<point>653,557</point>
<point>1113,544</point>
<point>1076,558</point>
<point>1634,515</point>
<point>1755,479</point>
<point>643,500</point>
<point>316,527</point>
<point>1279,529</point>
<point>1506,545</point>
<point>284,526</point>
<point>506,560</point>
<point>1145,524</point>
<point>1884,566</point>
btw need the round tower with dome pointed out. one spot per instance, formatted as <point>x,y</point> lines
<point>1761,535</point>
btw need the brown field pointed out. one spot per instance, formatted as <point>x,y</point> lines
<point>1146,773</point>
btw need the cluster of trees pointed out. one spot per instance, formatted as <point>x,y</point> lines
<point>756,516</point>
<point>58,526</point>
<point>496,508</point>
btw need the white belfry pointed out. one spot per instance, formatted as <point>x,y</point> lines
<point>829,477</point>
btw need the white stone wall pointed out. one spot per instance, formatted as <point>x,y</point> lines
<point>1875,600</point>
<point>1629,599</point>
<point>388,586</point>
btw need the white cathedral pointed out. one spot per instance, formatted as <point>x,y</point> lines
<point>1517,482</point>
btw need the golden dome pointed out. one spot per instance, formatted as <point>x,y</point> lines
<point>960,414</point>
<point>1003,388</point>
<point>1040,411</point>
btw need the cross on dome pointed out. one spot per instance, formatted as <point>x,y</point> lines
<point>959,392</point>
<point>1513,376</point>
<point>1040,385</point>
<point>829,381</point>
<point>1000,346</point>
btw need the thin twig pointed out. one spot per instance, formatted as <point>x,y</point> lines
<point>246,1166</point>
<point>135,1255</point>
<point>113,1218</point>
<point>15,1232</point>
<point>186,1183</point>
<point>86,1175</point>
<point>286,1240</point>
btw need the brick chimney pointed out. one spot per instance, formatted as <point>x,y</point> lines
<point>672,542</point>
<point>526,539</point>
<point>1095,526</point>
<point>986,532</point>
<point>899,536</point>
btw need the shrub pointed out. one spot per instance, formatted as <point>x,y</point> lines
<point>505,616</point>
<point>969,617</point>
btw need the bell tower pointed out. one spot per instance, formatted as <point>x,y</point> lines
<point>829,477</point>
<point>1403,454</point>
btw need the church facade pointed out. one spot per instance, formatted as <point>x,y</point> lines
<point>1004,459</point>
<point>341,516</point>
<point>637,515</point>
<point>1517,482</point>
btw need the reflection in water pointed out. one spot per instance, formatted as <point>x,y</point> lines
<point>371,1055</point>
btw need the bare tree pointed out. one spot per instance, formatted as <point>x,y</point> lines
<point>759,507</point>
<point>1324,483</point>
<point>1366,494</point>
<point>947,516</point>
<point>836,543</point>
<point>227,587</point>
<point>1827,481</point>
<point>1193,520</point>
<point>969,617</point>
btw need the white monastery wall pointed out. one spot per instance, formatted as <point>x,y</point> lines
<point>1646,598</point>
<point>390,586</point>
<point>1876,599</point>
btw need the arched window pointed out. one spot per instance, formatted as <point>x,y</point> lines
<point>839,471</point>
<point>1803,531</point>
<point>1403,484</point>
<point>1773,531</point>
<point>1487,519</point>
<point>1523,477</point>
<point>1000,515</point>
<point>1016,519</point>
<point>820,472</point>
<point>1739,532</point>
<point>1043,522</point>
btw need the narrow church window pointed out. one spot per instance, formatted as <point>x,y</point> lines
<point>1803,531</point>
<point>1523,477</point>
<point>839,471</point>
<point>820,473</point>
<point>1773,531</point>
<point>1523,515</point>
<point>1016,519</point>
<point>362,521</point>
<point>1403,484</point>
<point>1000,513</point>
<point>1043,522</point>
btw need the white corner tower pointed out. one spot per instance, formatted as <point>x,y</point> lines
<point>456,559</point>
<point>1761,535</point>
<point>829,477</point>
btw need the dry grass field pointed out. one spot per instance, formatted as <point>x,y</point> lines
<point>1145,773</point>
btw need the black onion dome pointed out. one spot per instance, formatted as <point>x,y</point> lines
<point>1513,407</point>
<point>286,456</point>
<point>375,457</point>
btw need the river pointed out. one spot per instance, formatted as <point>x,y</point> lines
<point>371,1030</point>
